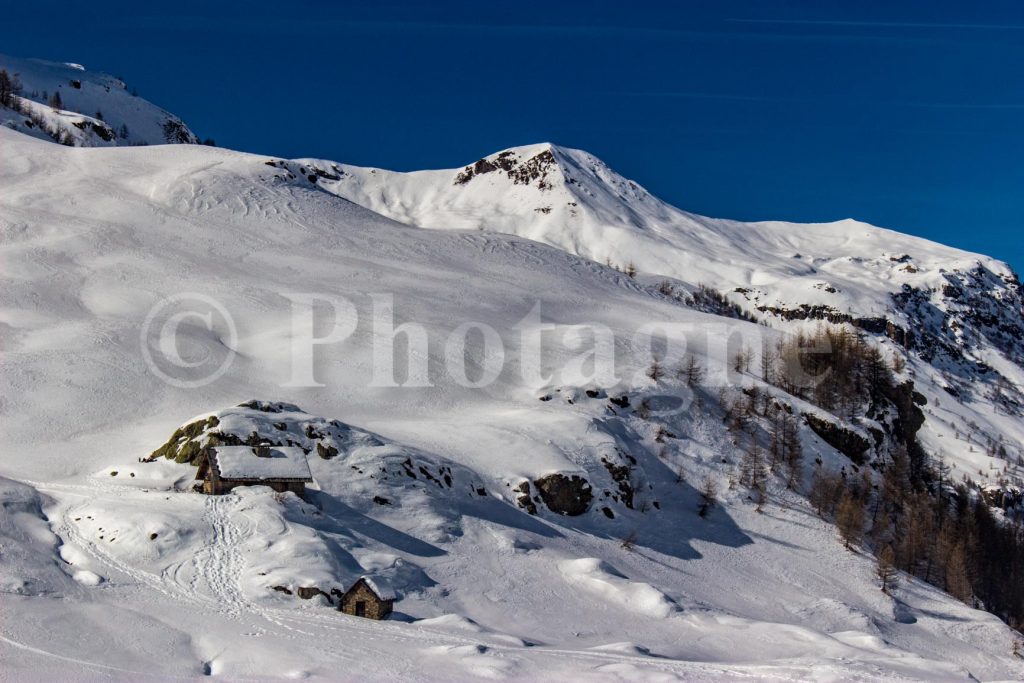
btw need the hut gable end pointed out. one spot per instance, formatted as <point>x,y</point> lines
<point>368,598</point>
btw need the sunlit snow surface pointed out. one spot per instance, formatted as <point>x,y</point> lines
<point>112,570</point>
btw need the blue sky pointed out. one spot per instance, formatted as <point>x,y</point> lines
<point>903,114</point>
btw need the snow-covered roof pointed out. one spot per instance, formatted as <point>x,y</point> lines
<point>281,462</point>
<point>381,586</point>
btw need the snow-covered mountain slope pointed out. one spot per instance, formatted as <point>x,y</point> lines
<point>886,282</point>
<point>120,571</point>
<point>95,110</point>
<point>962,314</point>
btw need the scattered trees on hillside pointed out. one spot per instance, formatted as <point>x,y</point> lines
<point>834,368</point>
<point>742,359</point>
<point>754,473</point>
<point>10,86</point>
<point>784,448</point>
<point>942,533</point>
<point>710,300</point>
<point>850,519</point>
<point>885,569</point>
<point>691,371</point>
<point>55,101</point>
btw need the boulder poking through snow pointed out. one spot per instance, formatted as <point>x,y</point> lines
<point>565,494</point>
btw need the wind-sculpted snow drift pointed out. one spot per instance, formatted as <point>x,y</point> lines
<point>542,526</point>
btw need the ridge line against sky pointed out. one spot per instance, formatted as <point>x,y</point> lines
<point>903,116</point>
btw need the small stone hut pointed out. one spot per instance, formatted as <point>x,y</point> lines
<point>370,597</point>
<point>282,468</point>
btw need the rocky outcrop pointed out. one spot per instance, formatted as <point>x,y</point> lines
<point>620,474</point>
<point>309,592</point>
<point>519,172</point>
<point>973,308</point>
<point>524,500</point>
<point>904,338</point>
<point>1006,498</point>
<point>909,420</point>
<point>565,494</point>
<point>849,443</point>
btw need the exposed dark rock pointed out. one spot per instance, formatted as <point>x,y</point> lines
<point>308,592</point>
<point>381,500</point>
<point>620,474</point>
<point>326,452</point>
<point>910,418</point>
<point>521,173</point>
<point>320,173</point>
<point>182,437</point>
<point>884,326</point>
<point>175,132</point>
<point>973,307</point>
<point>524,499</point>
<point>566,495</point>
<point>102,130</point>
<point>282,589</point>
<point>849,443</point>
<point>1004,498</point>
<point>428,476</point>
<point>268,406</point>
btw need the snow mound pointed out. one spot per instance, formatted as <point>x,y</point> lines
<point>87,578</point>
<point>601,579</point>
<point>452,621</point>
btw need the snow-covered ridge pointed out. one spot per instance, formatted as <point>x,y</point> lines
<point>69,104</point>
<point>955,309</point>
<point>570,199</point>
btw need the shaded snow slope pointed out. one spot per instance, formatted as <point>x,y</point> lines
<point>97,110</point>
<point>431,486</point>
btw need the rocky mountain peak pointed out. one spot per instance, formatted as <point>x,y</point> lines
<point>534,165</point>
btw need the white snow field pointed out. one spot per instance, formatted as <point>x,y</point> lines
<point>112,568</point>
